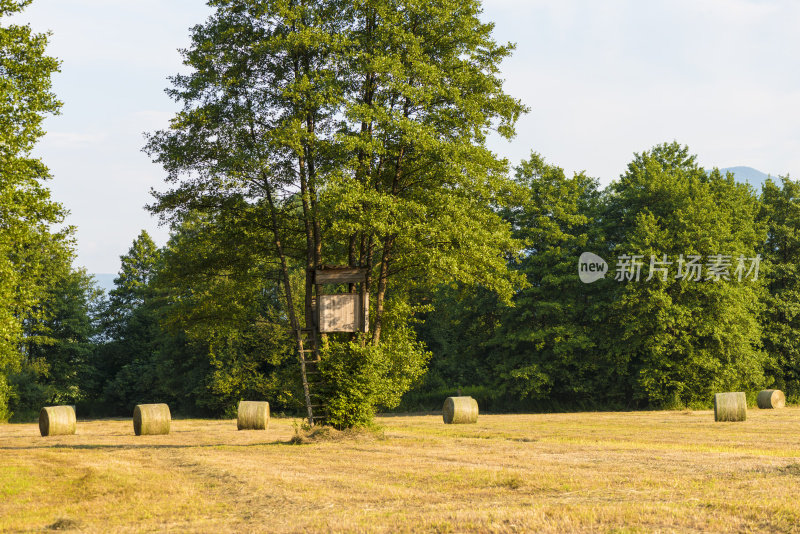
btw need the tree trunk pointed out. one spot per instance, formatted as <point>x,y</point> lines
<point>287,287</point>
<point>382,285</point>
<point>388,243</point>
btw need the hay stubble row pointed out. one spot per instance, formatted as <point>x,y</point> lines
<point>662,471</point>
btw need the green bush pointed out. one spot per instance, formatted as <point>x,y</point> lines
<point>28,394</point>
<point>360,378</point>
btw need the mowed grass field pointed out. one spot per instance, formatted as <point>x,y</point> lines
<point>666,471</point>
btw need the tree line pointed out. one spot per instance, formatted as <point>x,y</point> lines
<point>720,312</point>
<point>353,133</point>
<point>185,326</point>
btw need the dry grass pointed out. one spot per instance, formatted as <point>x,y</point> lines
<point>588,472</point>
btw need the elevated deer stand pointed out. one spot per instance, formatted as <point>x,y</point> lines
<point>342,312</point>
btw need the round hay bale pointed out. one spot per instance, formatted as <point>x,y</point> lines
<point>460,410</point>
<point>57,421</point>
<point>253,415</point>
<point>730,406</point>
<point>151,419</point>
<point>771,398</point>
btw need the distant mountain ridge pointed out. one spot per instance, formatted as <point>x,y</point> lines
<point>749,175</point>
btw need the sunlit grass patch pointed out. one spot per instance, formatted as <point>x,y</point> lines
<point>14,480</point>
<point>463,479</point>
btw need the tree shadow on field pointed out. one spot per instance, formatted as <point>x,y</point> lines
<point>301,437</point>
<point>136,446</point>
<point>388,415</point>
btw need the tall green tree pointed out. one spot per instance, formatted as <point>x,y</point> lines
<point>224,302</point>
<point>126,360</point>
<point>545,347</point>
<point>356,129</point>
<point>780,211</point>
<point>30,250</point>
<point>459,332</point>
<point>542,348</point>
<point>59,347</point>
<point>675,340</point>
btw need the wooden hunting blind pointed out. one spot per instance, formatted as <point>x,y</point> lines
<point>343,312</point>
<point>335,312</point>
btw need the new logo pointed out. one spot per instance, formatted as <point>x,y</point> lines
<point>591,267</point>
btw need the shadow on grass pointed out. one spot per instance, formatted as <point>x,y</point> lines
<point>134,446</point>
<point>410,414</point>
<point>300,437</point>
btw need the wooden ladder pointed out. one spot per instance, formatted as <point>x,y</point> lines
<point>309,367</point>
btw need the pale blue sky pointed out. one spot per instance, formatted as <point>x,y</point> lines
<point>603,80</point>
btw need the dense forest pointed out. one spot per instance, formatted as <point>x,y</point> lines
<point>182,326</point>
<point>354,133</point>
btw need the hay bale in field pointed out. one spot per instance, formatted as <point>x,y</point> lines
<point>771,398</point>
<point>460,410</point>
<point>253,415</point>
<point>150,419</point>
<point>57,421</point>
<point>730,406</point>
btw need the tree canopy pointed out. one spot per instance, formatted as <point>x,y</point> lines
<point>34,251</point>
<point>355,133</point>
